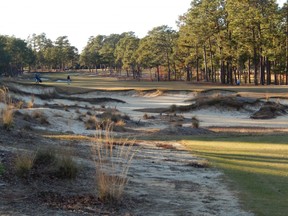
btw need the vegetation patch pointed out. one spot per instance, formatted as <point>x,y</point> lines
<point>112,163</point>
<point>166,146</point>
<point>270,110</point>
<point>65,167</point>
<point>24,163</point>
<point>7,118</point>
<point>1,168</point>
<point>195,122</point>
<point>199,164</point>
<point>257,166</point>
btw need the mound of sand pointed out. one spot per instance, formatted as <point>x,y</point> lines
<point>270,110</point>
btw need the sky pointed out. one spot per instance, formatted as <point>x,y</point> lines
<point>79,20</point>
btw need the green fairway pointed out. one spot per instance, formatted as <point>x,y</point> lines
<point>257,166</point>
<point>89,81</point>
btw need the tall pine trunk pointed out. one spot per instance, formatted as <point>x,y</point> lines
<point>268,69</point>
<point>211,62</point>
<point>262,70</point>
<point>255,58</point>
<point>205,64</point>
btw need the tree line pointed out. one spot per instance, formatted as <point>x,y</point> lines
<point>218,41</point>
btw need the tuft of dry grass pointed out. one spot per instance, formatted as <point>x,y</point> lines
<point>199,164</point>
<point>24,163</point>
<point>7,111</point>
<point>27,117</point>
<point>5,96</point>
<point>1,169</point>
<point>146,117</point>
<point>19,104</point>
<point>91,123</point>
<point>120,123</point>
<point>66,167</point>
<point>173,108</point>
<point>195,122</point>
<point>112,163</point>
<point>37,114</point>
<point>40,117</point>
<point>45,156</point>
<point>30,103</point>
<point>166,146</point>
<point>60,165</point>
<point>7,118</point>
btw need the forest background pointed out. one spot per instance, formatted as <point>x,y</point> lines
<point>219,41</point>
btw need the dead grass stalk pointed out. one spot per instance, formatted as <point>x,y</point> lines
<point>112,161</point>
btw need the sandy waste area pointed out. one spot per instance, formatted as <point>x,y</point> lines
<point>164,178</point>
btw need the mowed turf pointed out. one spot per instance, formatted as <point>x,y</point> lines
<point>256,165</point>
<point>91,81</point>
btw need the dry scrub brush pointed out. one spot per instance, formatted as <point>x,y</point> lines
<point>195,122</point>
<point>30,103</point>
<point>7,110</point>
<point>46,162</point>
<point>24,163</point>
<point>112,162</point>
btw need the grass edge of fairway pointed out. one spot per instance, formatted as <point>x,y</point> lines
<point>260,193</point>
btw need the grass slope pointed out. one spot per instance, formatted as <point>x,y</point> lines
<point>257,166</point>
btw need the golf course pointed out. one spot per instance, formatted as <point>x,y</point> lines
<point>175,148</point>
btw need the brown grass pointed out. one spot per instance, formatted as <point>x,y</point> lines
<point>24,163</point>
<point>112,164</point>
<point>91,123</point>
<point>30,103</point>
<point>7,117</point>
<point>7,111</point>
<point>195,122</point>
<point>5,96</point>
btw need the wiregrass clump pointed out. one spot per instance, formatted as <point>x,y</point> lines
<point>7,110</point>
<point>66,168</point>
<point>46,162</point>
<point>7,117</point>
<point>30,103</point>
<point>1,169</point>
<point>195,122</point>
<point>45,157</point>
<point>40,117</point>
<point>24,163</point>
<point>60,165</point>
<point>5,96</point>
<point>91,123</point>
<point>112,162</point>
